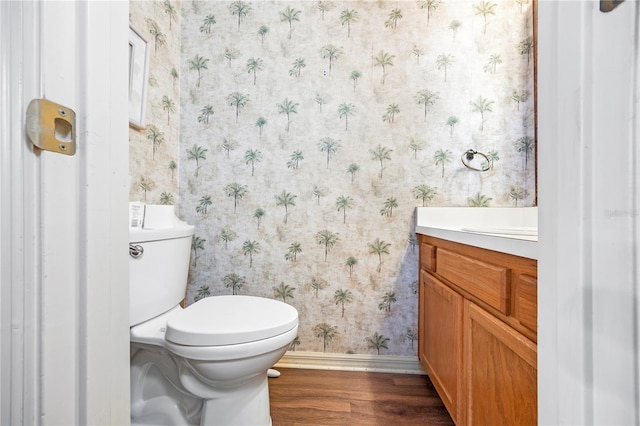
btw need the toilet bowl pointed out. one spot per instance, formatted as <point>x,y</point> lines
<point>204,364</point>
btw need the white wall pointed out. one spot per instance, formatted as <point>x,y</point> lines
<point>588,206</point>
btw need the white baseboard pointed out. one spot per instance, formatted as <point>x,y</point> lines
<point>351,362</point>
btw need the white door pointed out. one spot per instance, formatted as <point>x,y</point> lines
<point>63,219</point>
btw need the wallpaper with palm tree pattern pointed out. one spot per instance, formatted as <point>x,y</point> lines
<point>310,131</point>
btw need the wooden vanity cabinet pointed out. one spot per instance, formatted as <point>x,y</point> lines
<point>477,332</point>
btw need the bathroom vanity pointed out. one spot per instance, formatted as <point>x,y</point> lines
<point>478,314</point>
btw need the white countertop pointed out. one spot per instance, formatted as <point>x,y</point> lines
<point>451,223</point>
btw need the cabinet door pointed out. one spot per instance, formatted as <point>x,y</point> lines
<point>440,337</point>
<point>500,371</point>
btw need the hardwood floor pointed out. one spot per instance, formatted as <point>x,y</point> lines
<point>322,397</point>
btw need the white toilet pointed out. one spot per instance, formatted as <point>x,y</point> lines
<point>205,364</point>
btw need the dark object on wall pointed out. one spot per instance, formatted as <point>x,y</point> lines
<point>609,5</point>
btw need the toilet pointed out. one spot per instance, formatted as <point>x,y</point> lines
<point>205,364</point>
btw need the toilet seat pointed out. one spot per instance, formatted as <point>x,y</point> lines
<point>229,320</point>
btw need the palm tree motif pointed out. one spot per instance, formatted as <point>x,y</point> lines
<point>166,198</point>
<point>169,106</point>
<point>146,186</point>
<point>236,191</point>
<point>389,204</point>
<point>525,144</point>
<point>327,239</point>
<point>380,154</point>
<point>159,37</point>
<point>519,98</point>
<point>234,281</point>
<point>517,193</point>
<point>383,60</point>
<point>207,23</point>
<point>343,203</point>
<point>174,76</point>
<point>238,101</point>
<point>205,113</point>
<point>326,332</point>
<point>156,137</point>
<point>204,203</point>
<point>252,156</point>
<point>379,247</point>
<point>330,146</point>
<point>262,32</point>
<point>377,341</point>
<point>444,61</point>
<point>324,6</point>
<point>525,47</point>
<point>197,243</point>
<point>290,15</point>
<point>203,291</point>
<point>390,115</point>
<point>411,336</point>
<point>318,192</point>
<point>173,166</point>
<point>479,200</point>
<point>341,297</point>
<point>320,101</point>
<point>355,75</point>
<point>294,343</point>
<point>482,105</point>
<point>171,11</point>
<point>388,298</point>
<point>353,169</point>
<point>425,193</point>
<point>258,215</point>
<point>317,285</point>
<point>230,54</point>
<point>454,26</point>
<point>350,263</point>
<point>417,52</point>
<point>225,236</point>
<point>427,98</point>
<point>286,199</point>
<point>292,253</point>
<point>415,147</point>
<point>229,145</point>
<point>197,153</point>
<point>442,156</point>
<point>253,66</point>
<point>345,110</point>
<point>430,5</point>
<point>283,291</point>
<point>287,107</point>
<point>492,63</point>
<point>260,123</point>
<point>332,53</point>
<point>241,9</point>
<point>294,160</point>
<point>198,63</point>
<point>297,65</point>
<point>347,17</point>
<point>394,16</point>
<point>451,122</point>
<point>492,156</point>
<point>413,242</point>
<point>485,8</point>
<point>250,248</point>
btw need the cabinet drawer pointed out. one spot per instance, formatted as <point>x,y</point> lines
<point>428,257</point>
<point>526,301</point>
<point>489,283</point>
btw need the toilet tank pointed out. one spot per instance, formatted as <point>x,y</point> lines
<point>158,276</point>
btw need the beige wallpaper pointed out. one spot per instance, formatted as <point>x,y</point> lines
<point>310,131</point>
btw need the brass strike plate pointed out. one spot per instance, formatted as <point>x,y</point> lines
<point>51,126</point>
<point>609,5</point>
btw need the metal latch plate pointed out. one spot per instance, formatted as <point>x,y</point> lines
<point>51,126</point>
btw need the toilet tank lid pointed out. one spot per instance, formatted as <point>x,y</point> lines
<point>180,229</point>
<point>228,320</point>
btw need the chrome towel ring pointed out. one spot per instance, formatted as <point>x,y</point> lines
<point>468,156</point>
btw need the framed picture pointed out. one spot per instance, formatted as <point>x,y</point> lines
<point>138,77</point>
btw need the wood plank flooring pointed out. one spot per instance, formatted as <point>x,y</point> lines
<point>321,397</point>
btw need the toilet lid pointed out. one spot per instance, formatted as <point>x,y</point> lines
<point>228,320</point>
